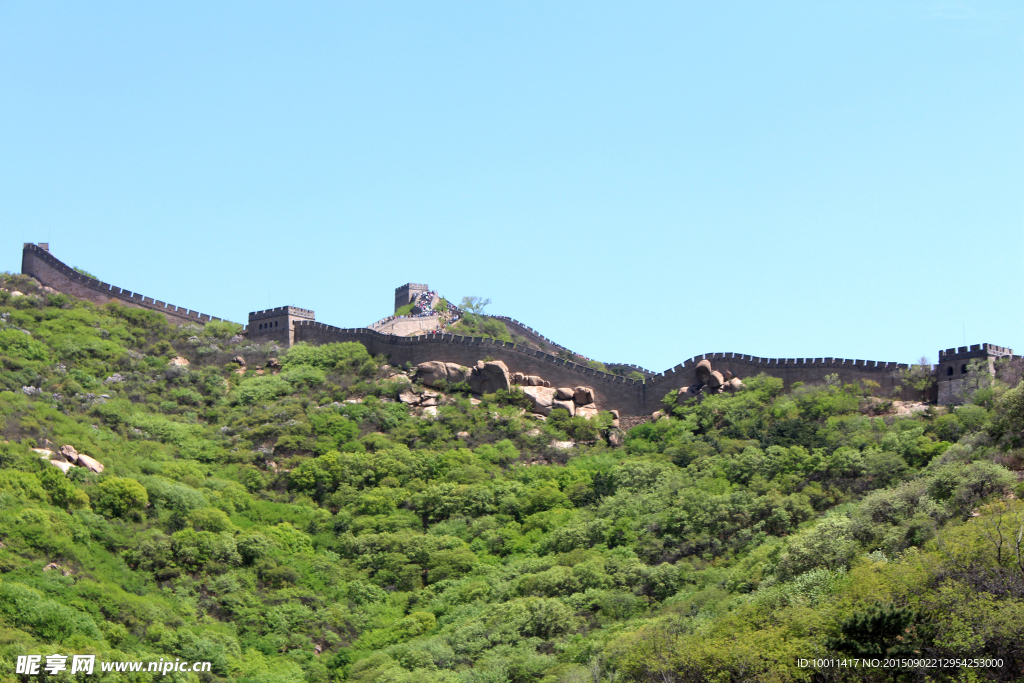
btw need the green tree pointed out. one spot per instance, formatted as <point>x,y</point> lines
<point>120,497</point>
<point>880,631</point>
<point>920,375</point>
<point>474,304</point>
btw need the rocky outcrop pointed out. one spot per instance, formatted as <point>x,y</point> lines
<point>433,372</point>
<point>583,395</point>
<point>89,463</point>
<point>541,398</point>
<point>709,381</point>
<point>68,458</point>
<point>569,406</point>
<point>489,377</point>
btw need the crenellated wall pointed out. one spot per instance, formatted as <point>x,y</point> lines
<point>628,396</point>
<point>43,266</point>
<point>612,392</point>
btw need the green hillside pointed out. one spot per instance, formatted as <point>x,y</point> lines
<point>293,521</point>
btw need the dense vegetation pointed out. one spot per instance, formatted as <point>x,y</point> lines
<point>300,524</point>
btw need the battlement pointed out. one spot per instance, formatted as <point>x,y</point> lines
<point>794,363</point>
<point>633,397</point>
<point>37,261</point>
<point>412,286</point>
<point>290,324</point>
<point>293,311</point>
<point>975,351</point>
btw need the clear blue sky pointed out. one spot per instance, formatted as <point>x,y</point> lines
<point>642,182</point>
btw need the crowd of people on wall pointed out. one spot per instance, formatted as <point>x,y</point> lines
<point>447,315</point>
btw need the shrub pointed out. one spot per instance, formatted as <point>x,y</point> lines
<point>119,497</point>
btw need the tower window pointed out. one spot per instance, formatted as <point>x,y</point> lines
<point>963,369</point>
<point>949,371</point>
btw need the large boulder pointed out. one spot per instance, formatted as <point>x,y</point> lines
<point>733,385</point>
<point>541,398</point>
<point>70,454</point>
<point>565,393</point>
<point>89,463</point>
<point>588,411</point>
<point>456,373</point>
<point>715,379</point>
<point>565,405</point>
<point>533,380</point>
<point>432,372</point>
<point>583,395</point>
<point>489,377</point>
<point>703,370</point>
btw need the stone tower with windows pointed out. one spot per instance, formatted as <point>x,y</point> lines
<point>953,371</point>
<point>407,293</point>
<point>277,324</point>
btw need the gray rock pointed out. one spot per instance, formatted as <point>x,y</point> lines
<point>588,411</point>
<point>432,372</point>
<point>583,395</point>
<point>69,454</point>
<point>564,394</point>
<point>491,377</point>
<point>456,373</point>
<point>541,398</point>
<point>703,370</point>
<point>89,463</point>
<point>567,405</point>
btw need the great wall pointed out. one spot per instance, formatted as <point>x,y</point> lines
<point>288,325</point>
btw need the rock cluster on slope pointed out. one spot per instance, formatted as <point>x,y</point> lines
<point>489,376</point>
<point>68,457</point>
<point>710,381</point>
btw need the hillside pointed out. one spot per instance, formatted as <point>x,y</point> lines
<point>292,515</point>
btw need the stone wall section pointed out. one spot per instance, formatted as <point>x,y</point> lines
<point>47,269</point>
<point>612,392</point>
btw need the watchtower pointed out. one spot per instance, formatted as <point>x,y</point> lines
<point>407,293</point>
<point>277,324</point>
<point>952,372</point>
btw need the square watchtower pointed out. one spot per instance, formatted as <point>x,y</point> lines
<point>407,293</point>
<point>951,374</point>
<point>277,324</point>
